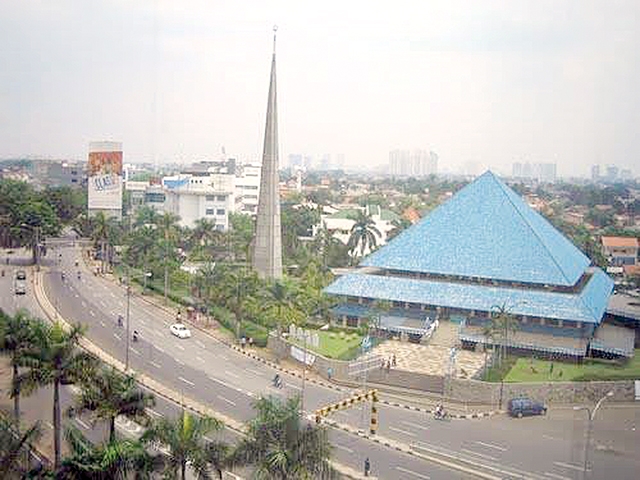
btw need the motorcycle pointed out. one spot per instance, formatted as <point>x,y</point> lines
<point>277,382</point>
<point>440,415</point>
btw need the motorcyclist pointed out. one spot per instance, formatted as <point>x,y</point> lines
<point>135,335</point>
<point>439,412</point>
<point>277,381</point>
<point>78,274</point>
<point>119,320</point>
<point>62,276</point>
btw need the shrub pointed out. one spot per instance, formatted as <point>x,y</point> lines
<point>255,331</point>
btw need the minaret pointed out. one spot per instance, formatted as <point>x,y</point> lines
<point>267,252</point>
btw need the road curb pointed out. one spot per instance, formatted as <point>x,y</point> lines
<point>149,383</point>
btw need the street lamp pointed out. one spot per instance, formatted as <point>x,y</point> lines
<point>590,416</point>
<point>126,355</point>
<point>505,311</point>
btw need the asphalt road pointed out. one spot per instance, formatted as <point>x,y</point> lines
<point>541,448</point>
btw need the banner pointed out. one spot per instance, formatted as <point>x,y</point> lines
<point>105,176</point>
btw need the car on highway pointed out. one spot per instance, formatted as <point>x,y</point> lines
<point>20,283</point>
<point>523,406</point>
<point>180,330</point>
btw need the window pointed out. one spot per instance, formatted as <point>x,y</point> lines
<point>251,187</point>
<point>209,211</point>
<point>220,211</point>
<point>219,227</point>
<point>210,198</point>
<point>221,198</point>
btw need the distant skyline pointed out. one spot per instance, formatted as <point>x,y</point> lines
<point>480,83</point>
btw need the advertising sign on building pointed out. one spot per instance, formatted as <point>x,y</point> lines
<point>105,177</point>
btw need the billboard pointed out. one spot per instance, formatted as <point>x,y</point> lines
<point>105,176</point>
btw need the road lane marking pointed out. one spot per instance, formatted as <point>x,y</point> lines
<point>84,304</point>
<point>117,336</point>
<point>179,347</point>
<point>570,466</point>
<point>135,351</point>
<point>200,344</point>
<point>199,358</point>
<point>491,445</point>
<point>142,321</point>
<point>227,400</point>
<point>83,424</point>
<point>421,427</point>
<point>186,381</point>
<point>112,294</point>
<point>102,324</point>
<point>76,295</point>
<point>294,386</point>
<point>231,374</point>
<point>481,455</point>
<point>153,412</point>
<point>92,313</point>
<point>402,431</point>
<point>254,372</point>
<point>224,357</point>
<point>554,475</point>
<point>159,349</point>
<point>157,365</point>
<point>179,362</point>
<point>411,472</point>
<point>342,447</point>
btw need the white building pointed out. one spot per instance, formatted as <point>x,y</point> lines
<point>247,188</point>
<point>416,163</point>
<point>193,196</point>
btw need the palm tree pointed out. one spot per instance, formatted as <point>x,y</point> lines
<point>56,360</point>
<point>183,438</point>
<point>100,233</point>
<point>502,324</point>
<point>18,338</point>
<point>205,237</point>
<point>168,227</point>
<point>282,445</point>
<point>109,393</point>
<point>146,216</point>
<point>117,459</point>
<point>282,304</point>
<point>363,235</point>
<point>13,446</point>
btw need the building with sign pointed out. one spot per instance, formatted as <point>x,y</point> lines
<point>482,253</point>
<point>104,185</point>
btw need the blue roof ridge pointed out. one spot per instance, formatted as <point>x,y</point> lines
<point>535,233</point>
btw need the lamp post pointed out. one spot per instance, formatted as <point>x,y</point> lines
<point>126,355</point>
<point>590,416</point>
<point>505,311</point>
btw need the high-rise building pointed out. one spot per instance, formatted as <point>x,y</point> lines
<point>416,163</point>
<point>267,251</point>
<point>595,173</point>
<point>541,172</point>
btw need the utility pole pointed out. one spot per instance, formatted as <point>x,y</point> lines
<point>126,361</point>
<point>590,416</point>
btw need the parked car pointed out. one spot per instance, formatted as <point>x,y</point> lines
<point>521,407</point>
<point>21,275</point>
<point>180,331</point>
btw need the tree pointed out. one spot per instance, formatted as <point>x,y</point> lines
<point>18,339</point>
<point>56,360</point>
<point>205,238</point>
<point>168,227</point>
<point>109,393</point>
<point>183,438</point>
<point>502,324</point>
<point>114,460</point>
<point>13,445</point>
<point>282,304</point>
<point>146,216</point>
<point>100,233</point>
<point>282,445</point>
<point>363,235</point>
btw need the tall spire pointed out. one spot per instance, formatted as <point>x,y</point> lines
<point>267,252</point>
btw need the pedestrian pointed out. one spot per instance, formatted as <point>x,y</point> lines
<point>250,341</point>
<point>393,360</point>
<point>179,317</point>
<point>388,366</point>
<point>243,342</point>
<point>382,365</point>
<point>329,373</point>
<point>367,467</point>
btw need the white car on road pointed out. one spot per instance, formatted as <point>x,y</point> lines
<point>180,331</point>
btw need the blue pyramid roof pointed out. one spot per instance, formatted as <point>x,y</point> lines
<point>487,231</point>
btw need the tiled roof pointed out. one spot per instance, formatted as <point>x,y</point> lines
<point>485,231</point>
<point>586,306</point>
<point>620,241</point>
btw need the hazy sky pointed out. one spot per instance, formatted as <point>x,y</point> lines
<point>477,81</point>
